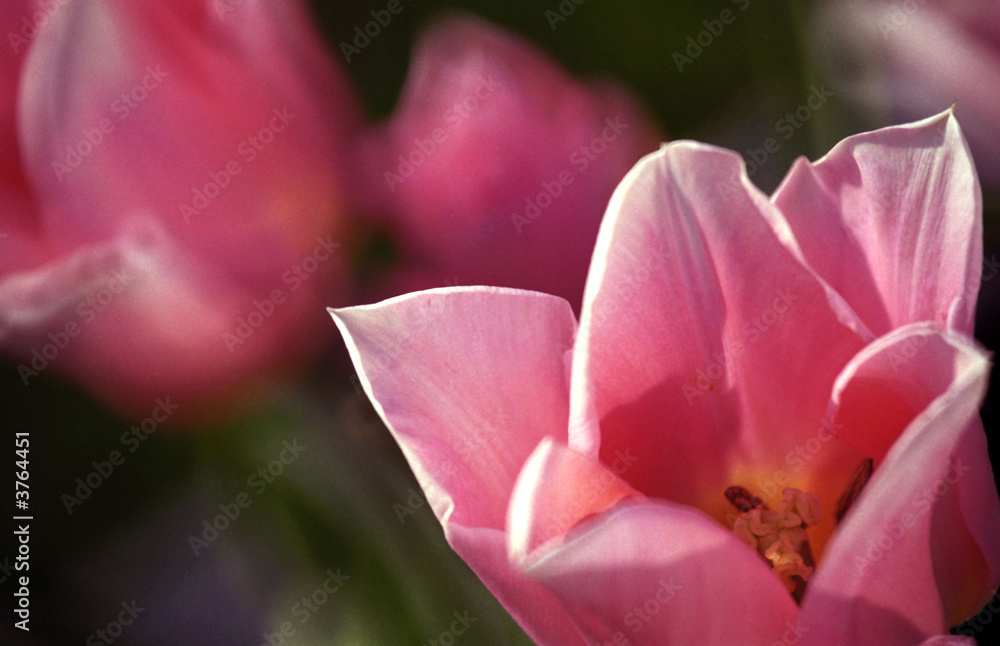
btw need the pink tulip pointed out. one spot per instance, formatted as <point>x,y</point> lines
<point>496,166</point>
<point>900,60</point>
<point>186,167</point>
<point>764,429</point>
<point>16,21</point>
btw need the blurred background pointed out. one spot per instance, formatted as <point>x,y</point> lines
<point>228,504</point>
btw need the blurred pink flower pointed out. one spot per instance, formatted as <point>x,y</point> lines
<point>496,166</point>
<point>694,458</point>
<point>183,202</point>
<point>901,60</point>
<point>15,19</point>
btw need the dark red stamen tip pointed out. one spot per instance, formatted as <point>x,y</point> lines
<point>857,483</point>
<point>743,499</point>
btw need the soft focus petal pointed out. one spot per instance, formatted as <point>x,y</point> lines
<point>139,107</point>
<point>920,549</point>
<point>15,19</point>
<point>901,61</point>
<point>118,309</point>
<point>18,221</point>
<point>496,166</point>
<point>660,574</point>
<point>469,381</point>
<point>697,323</point>
<point>215,132</point>
<point>892,219</point>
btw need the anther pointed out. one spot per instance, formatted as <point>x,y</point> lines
<point>743,499</point>
<point>854,487</point>
<point>779,536</point>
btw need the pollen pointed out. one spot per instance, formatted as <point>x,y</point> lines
<point>779,536</point>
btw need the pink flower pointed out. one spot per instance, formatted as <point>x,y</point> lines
<point>496,166</point>
<point>900,60</point>
<point>184,166</point>
<point>15,19</point>
<point>764,429</point>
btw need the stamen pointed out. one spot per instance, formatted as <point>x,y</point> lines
<point>854,487</point>
<point>779,536</point>
<point>743,499</point>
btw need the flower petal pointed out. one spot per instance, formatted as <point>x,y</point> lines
<point>117,316</point>
<point>885,58</point>
<point>535,608</point>
<point>469,380</point>
<point>151,136</point>
<point>557,489</point>
<point>19,245</point>
<point>892,219</point>
<point>920,549</point>
<point>539,153</point>
<point>696,319</point>
<point>227,126</point>
<point>886,385</point>
<point>658,573</point>
<point>949,640</point>
<point>15,11</point>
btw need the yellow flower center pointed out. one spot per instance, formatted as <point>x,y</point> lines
<point>780,536</point>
